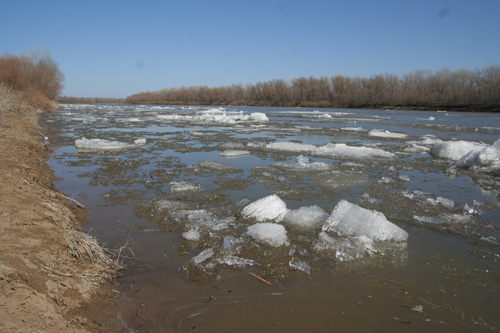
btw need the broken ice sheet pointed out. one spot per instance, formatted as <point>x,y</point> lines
<point>266,209</point>
<point>184,187</point>
<point>308,218</point>
<point>303,164</point>
<point>270,233</point>
<point>348,219</point>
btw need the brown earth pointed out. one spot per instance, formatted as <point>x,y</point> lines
<point>53,276</point>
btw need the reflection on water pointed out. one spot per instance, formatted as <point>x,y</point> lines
<point>180,200</point>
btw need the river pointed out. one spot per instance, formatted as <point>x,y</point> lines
<point>177,184</point>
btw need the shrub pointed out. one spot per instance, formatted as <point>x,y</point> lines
<point>37,77</point>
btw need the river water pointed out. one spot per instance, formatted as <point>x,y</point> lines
<point>173,182</point>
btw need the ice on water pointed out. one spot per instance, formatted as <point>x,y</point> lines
<point>386,134</point>
<point>217,166</point>
<point>332,150</point>
<point>270,233</point>
<point>270,208</point>
<point>234,153</point>
<point>303,163</point>
<point>184,187</point>
<point>351,220</point>
<point>485,159</point>
<point>100,144</point>
<point>455,150</point>
<point>472,155</point>
<point>191,234</point>
<point>312,217</point>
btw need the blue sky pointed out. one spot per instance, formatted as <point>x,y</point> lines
<point>118,48</point>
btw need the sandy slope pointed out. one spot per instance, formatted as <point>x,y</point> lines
<point>47,280</point>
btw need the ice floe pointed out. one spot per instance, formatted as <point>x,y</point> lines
<point>303,164</point>
<point>266,209</point>
<point>332,150</point>
<point>270,233</point>
<point>455,150</point>
<point>234,153</point>
<point>191,234</point>
<point>217,166</point>
<point>386,134</point>
<point>486,159</point>
<point>100,144</point>
<point>348,219</point>
<point>184,186</point>
<point>311,217</point>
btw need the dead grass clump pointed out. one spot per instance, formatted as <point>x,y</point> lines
<point>82,246</point>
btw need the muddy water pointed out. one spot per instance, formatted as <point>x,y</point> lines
<point>446,277</point>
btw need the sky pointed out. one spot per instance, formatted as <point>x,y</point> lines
<point>115,49</point>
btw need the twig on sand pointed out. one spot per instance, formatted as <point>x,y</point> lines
<point>258,277</point>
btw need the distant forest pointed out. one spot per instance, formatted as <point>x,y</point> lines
<point>466,90</point>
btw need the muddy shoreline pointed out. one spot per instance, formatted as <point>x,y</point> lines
<point>53,276</point>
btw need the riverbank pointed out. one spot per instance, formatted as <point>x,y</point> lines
<point>53,276</point>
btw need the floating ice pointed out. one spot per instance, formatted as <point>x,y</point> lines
<point>183,186</point>
<point>259,117</point>
<point>270,233</point>
<point>216,166</point>
<point>204,255</point>
<point>455,150</point>
<point>300,265</point>
<point>345,249</point>
<point>386,134</point>
<point>99,144</point>
<point>337,179</point>
<point>230,260</point>
<point>232,145</point>
<point>290,147</point>
<point>348,219</point>
<point>140,141</point>
<point>487,158</point>
<point>303,164</point>
<point>219,115</point>
<point>415,148</point>
<point>234,153</point>
<point>343,150</point>
<point>353,129</point>
<point>192,235</point>
<point>311,217</point>
<point>330,150</point>
<point>266,209</point>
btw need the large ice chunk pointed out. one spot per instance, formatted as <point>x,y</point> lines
<point>270,233</point>
<point>290,147</point>
<point>234,153</point>
<point>303,164</point>
<point>266,209</point>
<point>487,158</point>
<point>386,134</point>
<point>306,217</point>
<point>343,150</point>
<point>258,117</point>
<point>348,219</point>
<point>345,249</point>
<point>455,150</point>
<point>100,144</point>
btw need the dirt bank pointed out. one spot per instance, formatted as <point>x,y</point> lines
<point>51,273</point>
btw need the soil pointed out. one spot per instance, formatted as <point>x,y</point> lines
<point>53,277</point>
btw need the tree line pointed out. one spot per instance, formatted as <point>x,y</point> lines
<point>477,90</point>
<point>89,100</point>
<point>36,77</point>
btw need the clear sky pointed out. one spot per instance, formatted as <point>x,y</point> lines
<point>111,48</point>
